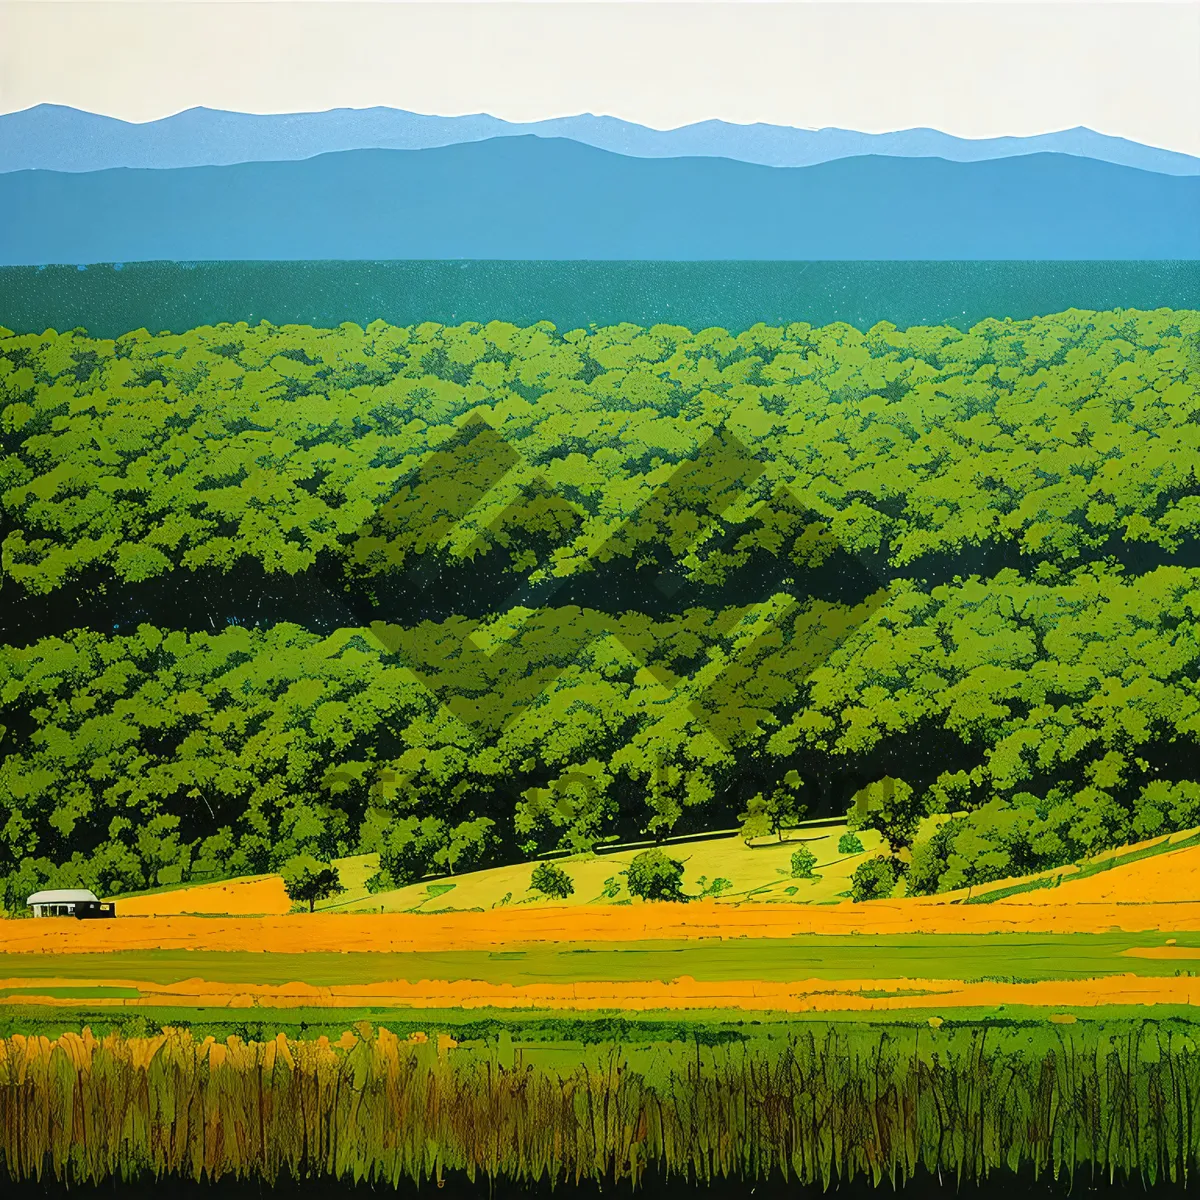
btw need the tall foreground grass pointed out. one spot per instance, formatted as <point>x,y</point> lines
<point>821,1105</point>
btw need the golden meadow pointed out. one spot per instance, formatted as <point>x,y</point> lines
<point>820,1105</point>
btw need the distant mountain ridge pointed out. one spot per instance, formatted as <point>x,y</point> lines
<point>57,138</point>
<point>553,199</point>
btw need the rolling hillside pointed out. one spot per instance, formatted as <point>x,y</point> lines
<point>543,199</point>
<point>1163,870</point>
<point>759,873</point>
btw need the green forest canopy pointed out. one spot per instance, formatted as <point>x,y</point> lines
<point>1046,694</point>
<point>146,454</point>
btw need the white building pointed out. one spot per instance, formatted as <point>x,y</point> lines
<point>69,902</point>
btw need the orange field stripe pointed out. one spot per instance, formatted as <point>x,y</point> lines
<point>331,932</point>
<point>811,995</point>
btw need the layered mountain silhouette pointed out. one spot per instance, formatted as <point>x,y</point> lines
<point>56,138</point>
<point>544,198</point>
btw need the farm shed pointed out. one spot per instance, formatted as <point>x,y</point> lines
<point>69,902</point>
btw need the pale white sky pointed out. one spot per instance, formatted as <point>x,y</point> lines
<point>976,69</point>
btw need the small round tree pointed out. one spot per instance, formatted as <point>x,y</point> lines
<point>874,879</point>
<point>551,881</point>
<point>654,875</point>
<point>803,862</point>
<point>307,880</point>
<point>850,843</point>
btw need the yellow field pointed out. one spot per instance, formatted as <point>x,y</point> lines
<point>1168,875</point>
<point>760,873</point>
<point>636,922</point>
<point>259,896</point>
<point>1164,879</point>
<point>1147,895</point>
<point>1152,888</point>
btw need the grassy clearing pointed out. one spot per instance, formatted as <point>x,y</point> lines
<point>760,873</point>
<point>754,873</point>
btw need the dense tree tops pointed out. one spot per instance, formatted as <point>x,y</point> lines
<point>1053,716</point>
<point>1060,439</point>
<point>653,622</point>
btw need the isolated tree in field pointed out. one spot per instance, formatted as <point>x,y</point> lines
<point>775,812</point>
<point>874,879</point>
<point>551,881</point>
<point>654,875</point>
<point>306,879</point>
<point>850,843</point>
<point>803,862</point>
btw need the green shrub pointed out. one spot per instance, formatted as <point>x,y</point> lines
<point>803,862</point>
<point>551,881</point>
<point>654,875</point>
<point>874,879</point>
<point>850,843</point>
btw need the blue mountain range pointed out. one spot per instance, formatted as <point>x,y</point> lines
<point>546,198</point>
<point>56,138</point>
